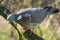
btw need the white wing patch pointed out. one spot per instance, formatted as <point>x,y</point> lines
<point>19,17</point>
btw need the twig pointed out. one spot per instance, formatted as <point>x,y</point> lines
<point>15,26</point>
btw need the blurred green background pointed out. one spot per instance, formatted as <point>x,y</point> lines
<point>49,29</point>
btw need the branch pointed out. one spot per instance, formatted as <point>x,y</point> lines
<point>15,26</point>
<point>31,36</point>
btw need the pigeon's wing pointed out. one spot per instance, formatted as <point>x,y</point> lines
<point>38,16</point>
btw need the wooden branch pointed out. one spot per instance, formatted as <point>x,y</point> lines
<point>31,36</point>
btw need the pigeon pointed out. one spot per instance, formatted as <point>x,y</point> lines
<point>32,15</point>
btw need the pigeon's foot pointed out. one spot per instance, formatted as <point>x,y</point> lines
<point>28,31</point>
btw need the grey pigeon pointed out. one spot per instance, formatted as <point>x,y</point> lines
<point>31,15</point>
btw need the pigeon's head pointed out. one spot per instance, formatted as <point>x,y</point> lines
<point>11,17</point>
<point>51,10</point>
